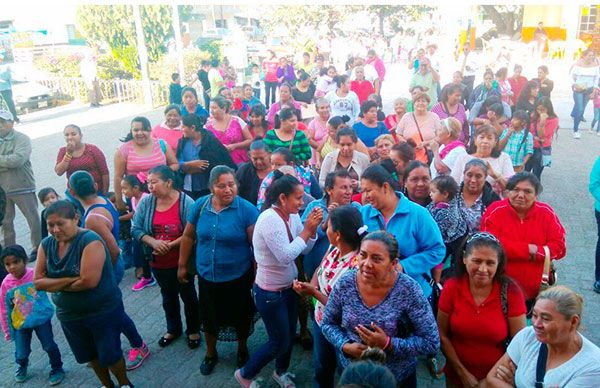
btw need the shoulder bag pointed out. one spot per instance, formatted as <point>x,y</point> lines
<point>540,368</point>
<point>427,150</point>
<point>549,276</point>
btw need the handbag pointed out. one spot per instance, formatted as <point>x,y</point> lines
<point>546,156</point>
<point>549,275</point>
<point>436,292</point>
<point>427,150</point>
<point>504,303</point>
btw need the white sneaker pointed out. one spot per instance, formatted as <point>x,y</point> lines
<point>284,380</point>
<point>577,135</point>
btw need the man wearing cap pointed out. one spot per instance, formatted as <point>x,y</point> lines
<point>18,182</point>
<point>6,87</point>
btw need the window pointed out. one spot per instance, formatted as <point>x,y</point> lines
<point>587,22</point>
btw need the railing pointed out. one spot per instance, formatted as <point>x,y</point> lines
<point>113,91</point>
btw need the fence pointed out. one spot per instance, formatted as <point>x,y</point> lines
<point>113,91</point>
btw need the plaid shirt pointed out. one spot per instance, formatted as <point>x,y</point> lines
<point>514,148</point>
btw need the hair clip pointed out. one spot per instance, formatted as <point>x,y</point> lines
<point>142,177</point>
<point>483,236</point>
<point>362,229</point>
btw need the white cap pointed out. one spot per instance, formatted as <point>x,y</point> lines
<point>6,115</point>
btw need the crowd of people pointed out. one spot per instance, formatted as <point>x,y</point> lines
<point>386,237</point>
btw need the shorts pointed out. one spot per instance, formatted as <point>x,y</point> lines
<point>96,337</point>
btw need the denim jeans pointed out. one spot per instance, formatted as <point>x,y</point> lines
<point>171,290</point>
<point>44,334</point>
<point>279,312</point>
<point>324,359</point>
<point>270,90</point>
<point>580,101</point>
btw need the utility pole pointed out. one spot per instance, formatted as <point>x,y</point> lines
<point>143,56</point>
<point>178,41</point>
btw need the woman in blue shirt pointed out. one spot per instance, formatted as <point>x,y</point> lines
<point>369,129</point>
<point>420,239</point>
<point>221,226</point>
<point>190,104</point>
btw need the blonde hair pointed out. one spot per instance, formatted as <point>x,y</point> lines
<point>421,95</point>
<point>452,126</point>
<point>384,137</point>
<point>568,302</point>
<point>401,100</point>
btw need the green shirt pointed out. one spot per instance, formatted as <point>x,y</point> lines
<point>300,147</point>
<point>425,81</point>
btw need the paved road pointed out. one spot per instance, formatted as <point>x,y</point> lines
<point>565,189</point>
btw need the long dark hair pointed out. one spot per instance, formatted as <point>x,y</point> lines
<point>259,110</point>
<point>347,220</point>
<point>546,103</point>
<point>281,184</point>
<point>526,92</point>
<point>146,126</point>
<point>480,240</point>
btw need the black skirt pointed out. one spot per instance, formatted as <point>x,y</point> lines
<point>227,308</point>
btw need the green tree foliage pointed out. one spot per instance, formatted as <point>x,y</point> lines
<point>296,17</point>
<point>507,18</point>
<point>395,15</point>
<point>113,25</point>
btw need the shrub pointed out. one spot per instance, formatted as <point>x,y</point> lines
<point>63,64</point>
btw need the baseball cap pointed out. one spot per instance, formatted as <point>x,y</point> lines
<point>6,115</point>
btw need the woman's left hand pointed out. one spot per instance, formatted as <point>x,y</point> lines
<point>230,147</point>
<point>506,373</point>
<point>303,288</point>
<point>372,336</point>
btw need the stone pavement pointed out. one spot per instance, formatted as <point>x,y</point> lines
<point>565,189</point>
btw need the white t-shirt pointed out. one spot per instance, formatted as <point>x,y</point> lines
<point>340,106</point>
<point>449,160</point>
<point>582,370</point>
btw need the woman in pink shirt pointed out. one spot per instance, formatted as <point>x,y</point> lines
<point>317,128</point>
<point>270,68</point>
<point>140,153</point>
<point>544,125</point>
<point>230,131</point>
<point>170,130</point>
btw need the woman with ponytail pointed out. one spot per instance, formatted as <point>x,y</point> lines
<point>345,231</point>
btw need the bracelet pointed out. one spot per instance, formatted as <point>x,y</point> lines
<point>387,343</point>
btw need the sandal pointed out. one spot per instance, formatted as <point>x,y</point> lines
<point>164,341</point>
<point>208,364</point>
<point>193,343</point>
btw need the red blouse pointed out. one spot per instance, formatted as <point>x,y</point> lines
<point>477,332</point>
<point>167,226</point>
<point>92,160</point>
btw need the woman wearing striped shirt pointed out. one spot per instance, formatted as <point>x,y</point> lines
<point>140,152</point>
<point>287,135</point>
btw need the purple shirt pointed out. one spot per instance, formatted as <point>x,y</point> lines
<point>440,110</point>
<point>287,73</point>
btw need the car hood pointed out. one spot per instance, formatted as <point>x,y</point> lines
<point>26,90</point>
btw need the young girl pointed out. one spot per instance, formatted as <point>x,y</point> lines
<point>27,311</point>
<point>133,189</point>
<point>47,197</point>
<point>445,211</point>
<point>516,141</point>
<point>328,143</point>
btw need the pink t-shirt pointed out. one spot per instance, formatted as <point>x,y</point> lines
<point>134,202</point>
<point>171,136</point>
<point>135,163</point>
<point>407,128</point>
<point>270,68</point>
<point>233,134</point>
<point>318,130</point>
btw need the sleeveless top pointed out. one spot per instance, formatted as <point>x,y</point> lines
<point>136,163</point>
<point>103,298</point>
<point>113,212</point>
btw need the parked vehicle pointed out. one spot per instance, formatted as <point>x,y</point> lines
<point>31,95</point>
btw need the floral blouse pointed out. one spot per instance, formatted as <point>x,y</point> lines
<point>329,272</point>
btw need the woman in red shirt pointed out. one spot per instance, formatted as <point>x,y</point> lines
<point>361,86</point>
<point>517,82</point>
<point>269,67</point>
<point>158,223</point>
<point>544,125</point>
<point>479,310</point>
<point>77,155</point>
<point>527,229</point>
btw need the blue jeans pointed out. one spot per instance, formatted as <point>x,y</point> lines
<point>279,312</point>
<point>44,334</point>
<point>324,359</point>
<point>580,100</point>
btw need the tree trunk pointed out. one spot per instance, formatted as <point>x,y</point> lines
<point>381,17</point>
